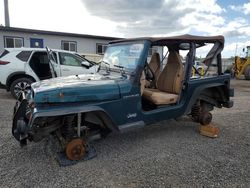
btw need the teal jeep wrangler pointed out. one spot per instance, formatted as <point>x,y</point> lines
<point>140,81</point>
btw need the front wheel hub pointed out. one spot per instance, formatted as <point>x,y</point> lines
<point>205,118</point>
<point>76,149</point>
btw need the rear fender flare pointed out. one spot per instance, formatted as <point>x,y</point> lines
<point>197,93</point>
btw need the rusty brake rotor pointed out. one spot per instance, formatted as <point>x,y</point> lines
<point>76,149</point>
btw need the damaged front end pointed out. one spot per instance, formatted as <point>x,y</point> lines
<point>67,130</point>
<point>53,106</point>
<point>48,111</point>
<point>26,127</point>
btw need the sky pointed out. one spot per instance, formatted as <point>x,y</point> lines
<point>137,18</point>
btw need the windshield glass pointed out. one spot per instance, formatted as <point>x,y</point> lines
<point>123,56</point>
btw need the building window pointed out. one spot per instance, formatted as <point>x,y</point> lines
<point>13,42</point>
<point>69,46</point>
<point>101,48</point>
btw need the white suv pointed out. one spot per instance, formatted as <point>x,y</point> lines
<point>19,67</point>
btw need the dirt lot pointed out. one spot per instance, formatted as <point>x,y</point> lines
<point>168,154</point>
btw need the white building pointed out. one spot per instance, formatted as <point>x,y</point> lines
<point>11,37</point>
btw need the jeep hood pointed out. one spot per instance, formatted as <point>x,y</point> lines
<point>77,88</point>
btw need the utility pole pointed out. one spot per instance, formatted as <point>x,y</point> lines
<point>6,13</point>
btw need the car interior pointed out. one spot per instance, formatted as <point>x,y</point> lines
<point>40,65</point>
<point>162,80</point>
<point>165,85</point>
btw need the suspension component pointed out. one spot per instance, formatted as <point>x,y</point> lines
<point>200,113</point>
<point>68,131</point>
<point>205,118</point>
<point>195,112</point>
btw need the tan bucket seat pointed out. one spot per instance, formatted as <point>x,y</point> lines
<point>155,64</point>
<point>169,82</point>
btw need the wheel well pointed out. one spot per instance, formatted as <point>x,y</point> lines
<point>104,120</point>
<point>13,77</point>
<point>97,117</point>
<point>93,119</point>
<point>213,96</point>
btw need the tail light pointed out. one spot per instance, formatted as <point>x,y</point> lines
<point>4,62</point>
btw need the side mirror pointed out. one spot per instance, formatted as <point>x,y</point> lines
<point>86,64</point>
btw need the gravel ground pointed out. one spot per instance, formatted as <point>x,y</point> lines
<point>167,154</point>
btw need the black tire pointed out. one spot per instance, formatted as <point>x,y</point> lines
<point>19,85</point>
<point>247,72</point>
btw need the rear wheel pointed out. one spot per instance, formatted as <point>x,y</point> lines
<point>20,85</point>
<point>247,72</point>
